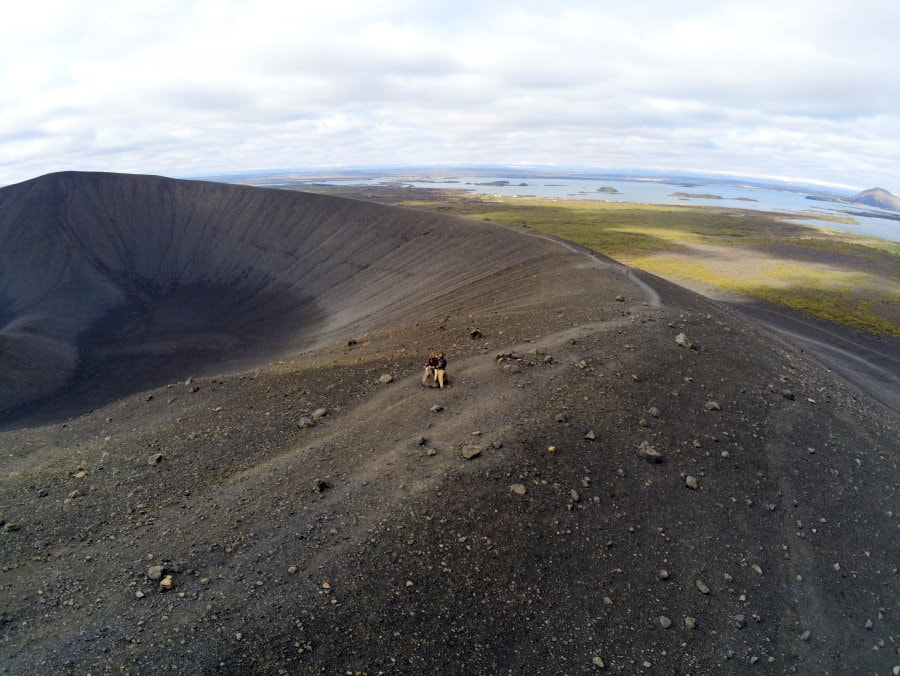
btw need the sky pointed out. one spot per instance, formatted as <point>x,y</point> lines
<point>793,89</point>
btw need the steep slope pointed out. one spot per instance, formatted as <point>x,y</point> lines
<point>110,284</point>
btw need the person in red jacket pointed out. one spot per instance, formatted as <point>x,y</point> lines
<point>430,366</point>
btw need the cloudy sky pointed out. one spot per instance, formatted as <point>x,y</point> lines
<point>787,88</point>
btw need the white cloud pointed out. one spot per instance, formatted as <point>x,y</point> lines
<point>796,88</point>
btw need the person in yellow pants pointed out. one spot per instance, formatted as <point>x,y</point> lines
<point>440,370</point>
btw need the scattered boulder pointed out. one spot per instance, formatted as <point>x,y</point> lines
<point>518,489</point>
<point>598,662</point>
<point>472,451</point>
<point>319,413</point>
<point>590,436</point>
<point>620,298</point>
<point>421,441</point>
<point>320,485</point>
<point>437,408</point>
<point>691,482</point>
<point>712,406</point>
<point>648,453</point>
<point>305,422</point>
<point>155,572</point>
<point>167,583</point>
<point>155,459</point>
<point>682,339</point>
<point>475,334</point>
<point>701,587</point>
<point>386,378</point>
<point>574,496</point>
<point>664,622</point>
<point>690,622</point>
<point>653,411</point>
<point>663,574</point>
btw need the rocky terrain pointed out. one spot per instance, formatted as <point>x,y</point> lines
<point>218,456</point>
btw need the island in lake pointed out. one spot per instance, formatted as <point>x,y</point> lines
<point>608,190</point>
<point>695,195</point>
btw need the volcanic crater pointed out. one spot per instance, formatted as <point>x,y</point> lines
<point>218,454</point>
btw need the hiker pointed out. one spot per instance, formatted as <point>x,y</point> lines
<point>430,366</point>
<point>440,369</point>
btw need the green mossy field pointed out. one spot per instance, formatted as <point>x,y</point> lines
<point>838,276</point>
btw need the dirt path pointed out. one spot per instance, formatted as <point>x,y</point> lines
<point>870,366</point>
<point>653,297</point>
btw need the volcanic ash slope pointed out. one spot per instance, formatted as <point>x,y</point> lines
<point>589,493</point>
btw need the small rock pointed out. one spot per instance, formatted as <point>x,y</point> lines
<point>548,359</point>
<point>869,624</point>
<point>319,413</point>
<point>320,485</point>
<point>648,453</point>
<point>518,489</point>
<point>562,417</point>
<point>74,494</point>
<point>421,441</point>
<point>690,623</point>
<point>80,474</point>
<point>167,582</point>
<point>475,333</point>
<point>757,569</point>
<point>436,408</point>
<point>701,587</point>
<point>471,451</point>
<point>598,662</point>
<point>691,482</point>
<point>739,621</point>
<point>386,378</point>
<point>551,449</point>
<point>805,635</point>
<point>155,459</point>
<point>712,406</point>
<point>787,394</point>
<point>682,340</point>
<point>663,574</point>
<point>155,572</point>
<point>573,495</point>
<point>664,622</point>
<point>607,601</point>
<point>497,444</point>
<point>305,422</point>
<point>292,569</point>
<point>139,594</point>
<point>11,527</point>
<point>590,436</point>
<point>620,298</point>
<point>653,411</point>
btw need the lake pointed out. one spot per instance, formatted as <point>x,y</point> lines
<point>656,192</point>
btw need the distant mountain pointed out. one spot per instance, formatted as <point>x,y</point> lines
<point>877,197</point>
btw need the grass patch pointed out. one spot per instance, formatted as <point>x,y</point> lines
<point>846,278</point>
